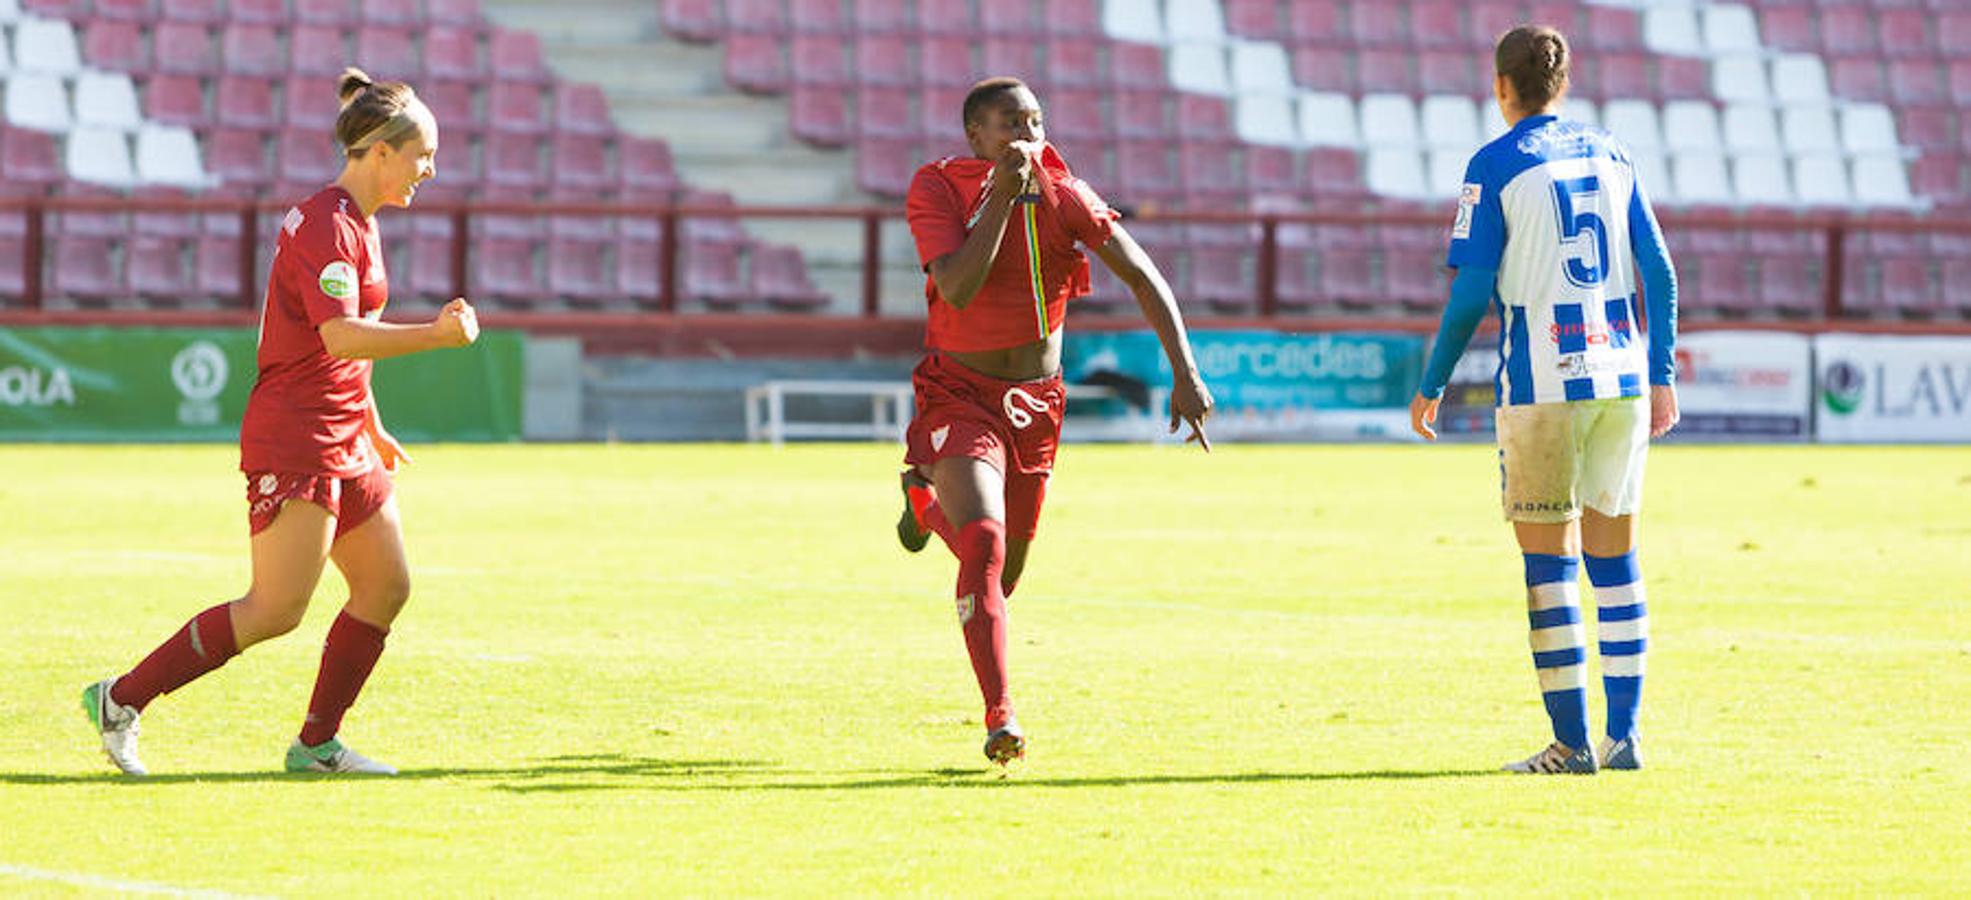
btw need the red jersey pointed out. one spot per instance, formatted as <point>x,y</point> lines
<point>1025,295</point>
<point>307,409</point>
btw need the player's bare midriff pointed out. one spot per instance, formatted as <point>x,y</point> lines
<point>1025,362</point>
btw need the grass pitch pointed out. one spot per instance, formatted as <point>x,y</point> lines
<point>710,670</point>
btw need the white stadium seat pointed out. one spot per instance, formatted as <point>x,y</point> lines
<point>1740,79</point>
<point>1634,122</point>
<point>1702,178</point>
<point>1751,129</point>
<point>100,156</point>
<point>1799,78</point>
<point>1132,20</point>
<point>1691,125</point>
<point>1328,120</point>
<point>1451,122</point>
<point>1822,179</point>
<point>1389,120</point>
<point>1761,179</point>
<point>10,11</point>
<point>1194,20</point>
<point>1495,121</point>
<point>1730,29</point>
<point>1398,172</point>
<point>108,100</point>
<point>1654,174</point>
<point>169,155</point>
<point>45,46</point>
<point>1882,181</point>
<point>1266,119</point>
<point>6,58</point>
<point>39,102</point>
<point>1199,69</point>
<point>1261,68</point>
<point>1672,30</point>
<point>1809,130</point>
<point>1868,128</point>
<point>1582,111</point>
<point>1447,171</point>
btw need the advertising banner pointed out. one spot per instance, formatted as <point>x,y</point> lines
<point>1268,385</point>
<point>191,384</point>
<point>1471,394</point>
<point>1744,384</point>
<point>1885,388</point>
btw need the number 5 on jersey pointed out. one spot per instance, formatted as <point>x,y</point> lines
<point>1582,269</point>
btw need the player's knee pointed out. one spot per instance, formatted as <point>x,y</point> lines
<point>984,539</point>
<point>262,616</point>
<point>385,595</point>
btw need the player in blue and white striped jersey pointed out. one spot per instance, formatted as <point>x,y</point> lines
<point>1552,229</point>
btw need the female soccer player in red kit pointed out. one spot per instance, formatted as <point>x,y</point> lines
<point>996,233</point>
<point>317,461</point>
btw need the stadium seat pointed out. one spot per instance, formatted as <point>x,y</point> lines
<point>305,159</point>
<point>519,55</point>
<point>882,59</point>
<point>175,100</point>
<point>1073,116</point>
<point>244,49</point>
<point>403,13</point>
<point>39,102</point>
<point>1266,120</point>
<point>1271,170</point>
<point>1075,64</point>
<point>85,267</point>
<point>1906,33</point>
<point>319,50</point>
<point>1253,19</point>
<point>885,112</point>
<point>1750,129</point>
<point>1378,25</point>
<point>1790,28</point>
<point>948,18</point>
<point>106,100</point>
<point>1445,72</point>
<point>697,21</point>
<point>1940,179</point>
<point>258,12</point>
<point>1427,24</point>
<point>1261,69</point>
<point>1444,170</point>
<point>1324,69</point>
<point>46,47</point>
<point>1488,20</point>
<point>581,108</point>
<point>239,158</point>
<point>1701,178</point>
<point>1451,122</point>
<point>113,45</point>
<point>780,278</point>
<point>754,17</point>
<point>753,62</point>
<point>1203,118</point>
<point>1761,179</point>
<point>1132,20</point>
<point>1809,130</point>
<point>1691,125</point>
<point>1881,181</point>
<point>1223,278</point>
<point>248,102</point>
<point>1209,174</point>
<point>1954,33</point>
<point>885,166</point>
<point>30,162</point>
<point>1859,79</point>
<point>816,17</point>
<point>1739,79</point>
<point>1906,284</point>
<point>1382,69</point>
<point>450,101</point>
<point>513,160</point>
<point>646,169</point>
<point>1868,128</point>
<point>1822,180</point>
<point>1730,30</point>
<point>1398,171</point>
<point>819,115</point>
<point>578,260</point>
<point>158,268</point>
<point>880,16</point>
<point>1328,120</point>
<point>1799,78</point>
<point>516,107</point>
<point>451,53</point>
<point>389,53</point>
<point>710,274</point>
<point>202,12</point>
<point>1145,171</point>
<point>506,271</point>
<point>1141,114</point>
<point>639,262</point>
<point>1199,68</point>
<point>338,13</point>
<point>817,61</point>
<point>1847,31</point>
<point>1201,21</point>
<point>1333,173</point>
<point>1926,129</point>
<point>946,63</point>
<point>1614,76</point>
<point>1672,30</point>
<point>1013,56</point>
<point>1611,29</point>
<point>1916,82</point>
<point>1681,78</point>
<point>1635,122</point>
<point>1347,277</point>
<point>1389,120</point>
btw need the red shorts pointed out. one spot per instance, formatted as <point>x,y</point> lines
<point>1014,426</point>
<point>352,501</point>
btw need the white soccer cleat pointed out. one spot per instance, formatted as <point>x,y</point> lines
<point>117,724</point>
<point>331,756</point>
<point>1623,754</point>
<point>1557,759</point>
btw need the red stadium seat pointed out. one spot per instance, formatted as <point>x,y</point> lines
<point>1140,114</point>
<point>1429,20</point>
<point>710,274</point>
<point>883,59</point>
<point>1017,18</point>
<point>451,103</point>
<point>884,112</point>
<point>581,108</point>
<point>1916,82</point>
<point>780,278</point>
<point>1858,78</point>
<point>1136,67</point>
<point>1018,57</point>
<point>85,268</point>
<point>1144,171</point>
<point>56,9</point>
<point>1939,178</point>
<point>1788,285</point>
<point>1847,31</point>
<point>819,115</point>
<point>451,52</point>
<point>306,158</point>
<point>321,50</point>
<point>116,46</point>
<point>1318,23</point>
<point>391,12</point>
<point>647,172</point>
<point>1905,33</point>
<point>755,17</point>
<point>1724,281</point>
<point>240,158</point>
<point>159,268</point>
<point>1956,272</point>
<point>1790,28</point>
<point>186,49</point>
<point>258,12</point>
<point>817,16</point>
<point>1386,71</point>
<point>1210,174</point>
<point>885,166</point>
<point>1906,284</point>
<point>1612,30</point>
<point>1416,277</point>
<point>818,62</point>
<point>1959,75</point>
<point>1954,33</point>
<point>753,62</point>
<point>1075,64</point>
<point>578,258</point>
<point>1378,25</point>
<point>455,14</point>
<point>1074,117</point>
<point>1071,18</point>
<point>513,160</point>
<point>1446,72</point>
<point>1257,19</point>
<point>506,271</point>
<point>1560,15</point>
<point>1323,68</point>
<point>881,16</point>
<point>389,53</point>
<point>1334,174</point>
<point>1929,130</point>
<point>519,55</point>
<point>1202,118</point>
<point>945,62</point>
<point>1348,277</point>
<point>326,12</point>
<point>245,102</point>
<point>1223,278</point>
<point>639,259</point>
<point>692,20</point>
<point>30,162</point>
<point>1682,78</point>
<point>949,17</point>
<point>175,100</point>
<point>1271,170</point>
<point>516,107</point>
<point>1491,19</point>
<point>203,12</point>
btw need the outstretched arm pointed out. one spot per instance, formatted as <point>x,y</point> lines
<point>353,337</point>
<point>1471,292</point>
<point>1190,400</point>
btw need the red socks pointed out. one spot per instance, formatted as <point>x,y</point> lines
<point>347,658</point>
<point>981,548</point>
<point>204,644</point>
<point>924,505</point>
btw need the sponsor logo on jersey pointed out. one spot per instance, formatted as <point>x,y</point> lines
<point>268,483</point>
<point>338,280</point>
<point>1593,333</point>
<point>1581,365</point>
<point>1467,202</point>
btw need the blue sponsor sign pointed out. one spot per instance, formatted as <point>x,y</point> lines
<point>1257,372</point>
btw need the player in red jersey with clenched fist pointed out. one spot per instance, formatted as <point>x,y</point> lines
<point>996,233</point>
<point>318,463</point>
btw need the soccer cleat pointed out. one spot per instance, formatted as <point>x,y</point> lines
<point>117,724</point>
<point>331,756</point>
<point>1006,743</point>
<point>1622,754</point>
<point>910,532</point>
<point>1557,759</point>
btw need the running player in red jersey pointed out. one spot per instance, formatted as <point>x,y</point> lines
<point>996,233</point>
<point>317,461</point>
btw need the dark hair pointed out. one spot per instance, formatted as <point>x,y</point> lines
<point>1535,59</point>
<point>988,91</point>
<point>375,112</point>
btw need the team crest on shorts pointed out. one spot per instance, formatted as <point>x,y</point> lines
<point>268,483</point>
<point>938,437</point>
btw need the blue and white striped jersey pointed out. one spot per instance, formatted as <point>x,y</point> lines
<point>1551,206</point>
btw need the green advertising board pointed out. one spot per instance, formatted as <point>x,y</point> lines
<point>191,384</point>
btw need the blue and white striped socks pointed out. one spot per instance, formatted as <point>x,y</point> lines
<point>1553,612</point>
<point>1624,625</point>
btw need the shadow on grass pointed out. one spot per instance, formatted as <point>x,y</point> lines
<point>615,765</point>
<point>995,780</point>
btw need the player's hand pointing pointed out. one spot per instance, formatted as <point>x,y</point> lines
<point>457,324</point>
<point>1190,403</point>
<point>1423,415</point>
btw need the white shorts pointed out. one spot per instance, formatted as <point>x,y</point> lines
<point>1555,458</point>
